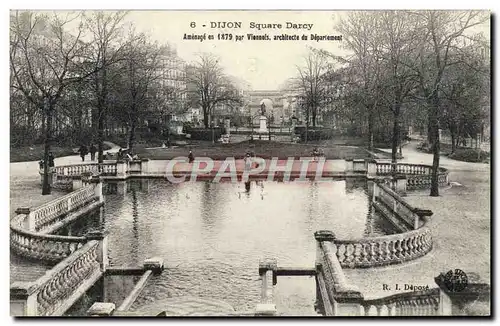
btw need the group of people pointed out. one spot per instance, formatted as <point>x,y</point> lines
<point>84,150</point>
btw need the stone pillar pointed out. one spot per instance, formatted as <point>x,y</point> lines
<point>23,299</point>
<point>145,166</point>
<point>98,189</point>
<point>101,309</point>
<point>267,270</point>
<point>103,246</point>
<point>399,184</point>
<point>371,168</point>
<point>320,236</point>
<point>121,169</point>
<point>77,184</point>
<point>121,187</point>
<point>262,124</point>
<point>51,174</point>
<point>154,264</point>
<point>349,166</point>
<point>358,165</point>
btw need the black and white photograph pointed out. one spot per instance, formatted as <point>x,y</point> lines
<point>250,163</point>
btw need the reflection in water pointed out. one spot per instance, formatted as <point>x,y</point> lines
<point>212,238</point>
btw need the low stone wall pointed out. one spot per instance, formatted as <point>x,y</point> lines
<point>339,298</point>
<point>30,232</point>
<point>413,241</point>
<point>60,287</point>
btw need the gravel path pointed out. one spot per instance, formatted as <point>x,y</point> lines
<point>460,227</point>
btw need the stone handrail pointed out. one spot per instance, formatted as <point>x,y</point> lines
<point>76,170</point>
<point>419,175</point>
<point>401,212</point>
<point>52,248</point>
<point>416,303</point>
<point>416,182</point>
<point>51,212</point>
<point>415,240</point>
<point>59,283</point>
<point>53,293</point>
<point>383,250</point>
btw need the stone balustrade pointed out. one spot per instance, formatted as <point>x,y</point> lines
<point>418,176</point>
<point>340,298</point>
<point>76,170</point>
<point>268,275</point>
<point>53,211</point>
<point>418,182</point>
<point>46,247</point>
<point>394,208</point>
<point>60,287</point>
<point>383,250</point>
<point>431,302</point>
<point>414,241</point>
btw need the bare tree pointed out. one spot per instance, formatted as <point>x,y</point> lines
<point>144,65</point>
<point>106,48</point>
<point>208,86</point>
<point>359,30</point>
<point>311,83</point>
<point>440,33</point>
<point>43,56</point>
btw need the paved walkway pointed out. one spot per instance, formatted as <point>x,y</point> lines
<point>460,229</point>
<point>25,191</point>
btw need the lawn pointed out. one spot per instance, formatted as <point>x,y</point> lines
<point>35,152</point>
<point>264,149</point>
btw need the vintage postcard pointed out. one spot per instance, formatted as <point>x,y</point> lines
<point>250,163</point>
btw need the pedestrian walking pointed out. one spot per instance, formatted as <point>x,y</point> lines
<point>191,157</point>
<point>93,150</point>
<point>83,151</point>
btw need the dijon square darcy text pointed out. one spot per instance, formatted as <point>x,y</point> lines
<point>262,26</point>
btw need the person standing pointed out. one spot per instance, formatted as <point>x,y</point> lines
<point>191,157</point>
<point>83,151</point>
<point>93,150</point>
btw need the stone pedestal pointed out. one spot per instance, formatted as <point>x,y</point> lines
<point>262,124</point>
<point>371,168</point>
<point>101,309</point>
<point>51,175</point>
<point>154,264</point>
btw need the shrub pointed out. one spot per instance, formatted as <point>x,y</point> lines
<point>469,155</point>
<point>206,134</point>
<point>315,133</point>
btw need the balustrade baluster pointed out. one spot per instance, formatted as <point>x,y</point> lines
<point>357,253</point>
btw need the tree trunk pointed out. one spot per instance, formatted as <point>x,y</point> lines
<point>132,130</point>
<point>48,131</point>
<point>434,124</point>
<point>395,135</point>
<point>101,116</point>
<point>370,127</point>
<point>313,113</point>
<point>205,117</point>
<point>453,143</point>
